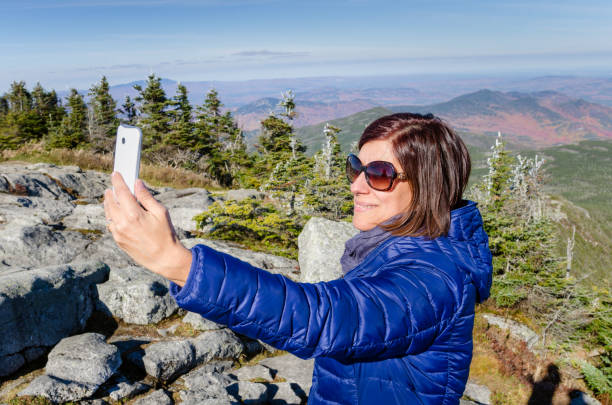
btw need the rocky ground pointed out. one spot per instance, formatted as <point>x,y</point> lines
<point>81,322</point>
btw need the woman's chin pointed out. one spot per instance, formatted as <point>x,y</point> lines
<point>362,223</point>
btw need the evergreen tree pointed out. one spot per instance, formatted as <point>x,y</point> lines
<point>128,108</point>
<point>19,98</point>
<point>327,193</point>
<point>182,127</point>
<point>154,118</point>
<point>4,106</point>
<point>20,123</point>
<point>103,114</point>
<point>72,130</point>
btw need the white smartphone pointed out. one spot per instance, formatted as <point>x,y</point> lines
<point>127,153</point>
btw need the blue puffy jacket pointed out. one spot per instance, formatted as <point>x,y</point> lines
<point>397,329</point>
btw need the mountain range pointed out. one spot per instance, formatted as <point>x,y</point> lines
<point>537,119</point>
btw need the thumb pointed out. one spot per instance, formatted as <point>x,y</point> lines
<point>145,198</point>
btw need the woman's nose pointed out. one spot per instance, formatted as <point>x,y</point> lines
<point>360,186</point>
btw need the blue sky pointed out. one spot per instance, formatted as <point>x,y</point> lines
<point>72,43</point>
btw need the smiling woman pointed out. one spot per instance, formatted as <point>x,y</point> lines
<point>397,327</point>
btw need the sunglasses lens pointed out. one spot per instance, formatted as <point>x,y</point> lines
<point>353,168</point>
<point>380,175</point>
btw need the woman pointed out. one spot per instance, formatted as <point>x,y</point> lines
<point>397,328</point>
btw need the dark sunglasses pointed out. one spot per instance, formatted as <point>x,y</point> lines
<point>379,175</point>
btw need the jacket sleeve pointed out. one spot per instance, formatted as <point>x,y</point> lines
<point>399,311</point>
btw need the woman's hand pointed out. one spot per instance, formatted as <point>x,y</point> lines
<point>145,233</point>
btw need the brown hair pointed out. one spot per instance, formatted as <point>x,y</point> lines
<point>437,165</point>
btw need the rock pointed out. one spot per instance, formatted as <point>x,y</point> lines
<point>126,390</point>
<point>321,245</point>
<point>256,372</point>
<point>292,369</point>
<point>90,216</point>
<point>200,323</point>
<point>86,359</point>
<point>251,393</point>
<point>219,344</point>
<point>34,210</point>
<point>517,330</point>
<point>105,250</point>
<point>243,194</point>
<point>159,397</point>
<point>11,363</point>
<point>56,389</point>
<point>479,393</point>
<point>286,393</point>
<point>184,204</point>
<point>29,247</point>
<point>467,402</point>
<point>165,360</point>
<point>205,385</point>
<point>168,360</point>
<point>136,296</point>
<point>34,353</point>
<point>40,307</point>
<point>271,263</point>
<point>27,181</point>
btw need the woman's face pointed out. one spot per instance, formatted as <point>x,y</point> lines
<point>374,207</point>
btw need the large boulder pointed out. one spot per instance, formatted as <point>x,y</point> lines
<point>136,296</point>
<point>86,216</point>
<point>40,307</point>
<point>271,263</point>
<point>184,204</point>
<point>321,245</point>
<point>76,368</point>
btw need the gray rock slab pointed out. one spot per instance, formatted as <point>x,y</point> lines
<point>256,372</point>
<point>88,216</point>
<point>202,385</point>
<point>200,323</point>
<point>126,390</point>
<point>11,363</point>
<point>159,397</point>
<point>478,393</point>
<point>136,296</point>
<point>243,194</point>
<point>57,389</point>
<point>292,369</point>
<point>184,204</point>
<point>28,247</point>
<point>515,329</point>
<point>86,359</point>
<point>467,402</point>
<point>24,181</point>
<point>321,245</point>
<point>271,263</point>
<point>218,344</point>
<point>105,250</point>
<point>34,210</point>
<point>40,307</point>
<point>251,393</point>
<point>165,360</point>
<point>285,393</point>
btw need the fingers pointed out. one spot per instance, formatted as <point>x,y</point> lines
<point>125,198</point>
<point>146,199</point>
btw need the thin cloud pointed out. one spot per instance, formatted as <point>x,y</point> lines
<point>267,53</point>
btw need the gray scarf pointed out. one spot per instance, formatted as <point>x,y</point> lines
<point>359,246</point>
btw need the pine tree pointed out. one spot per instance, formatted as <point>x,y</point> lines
<point>20,123</point>
<point>128,109</point>
<point>327,192</point>
<point>104,122</point>
<point>154,118</point>
<point>72,130</point>
<point>182,127</point>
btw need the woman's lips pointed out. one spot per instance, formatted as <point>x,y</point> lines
<point>360,207</point>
